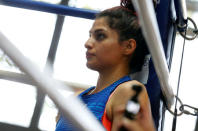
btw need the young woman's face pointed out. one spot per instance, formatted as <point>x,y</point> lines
<point>103,47</point>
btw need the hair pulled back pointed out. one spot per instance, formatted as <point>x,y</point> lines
<point>124,20</point>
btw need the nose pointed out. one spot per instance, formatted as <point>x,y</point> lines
<point>89,43</point>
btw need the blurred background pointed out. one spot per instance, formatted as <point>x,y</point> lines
<point>32,32</point>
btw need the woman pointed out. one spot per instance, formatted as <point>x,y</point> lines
<point>115,48</point>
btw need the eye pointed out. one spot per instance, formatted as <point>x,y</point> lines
<point>100,36</point>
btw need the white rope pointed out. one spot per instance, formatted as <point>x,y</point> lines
<point>147,17</point>
<point>72,108</point>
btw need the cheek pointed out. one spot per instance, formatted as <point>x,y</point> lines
<point>108,57</point>
<point>112,51</point>
<point>107,48</point>
<point>103,53</point>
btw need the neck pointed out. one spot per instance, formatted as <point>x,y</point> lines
<point>109,76</point>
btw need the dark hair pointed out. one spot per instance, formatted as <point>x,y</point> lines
<point>124,20</point>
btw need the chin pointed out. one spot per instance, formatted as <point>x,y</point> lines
<point>91,66</point>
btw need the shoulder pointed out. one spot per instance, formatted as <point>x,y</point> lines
<point>78,92</point>
<point>122,94</point>
<point>125,89</point>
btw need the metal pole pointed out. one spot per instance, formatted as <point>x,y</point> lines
<point>151,33</point>
<point>50,62</point>
<point>196,125</point>
<point>51,8</point>
<point>183,8</point>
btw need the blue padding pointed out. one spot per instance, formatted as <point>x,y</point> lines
<point>154,93</point>
<point>164,21</point>
<point>51,8</point>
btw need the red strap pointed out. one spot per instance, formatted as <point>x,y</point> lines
<point>106,122</point>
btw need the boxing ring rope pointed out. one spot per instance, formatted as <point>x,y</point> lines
<point>71,107</point>
<point>23,78</point>
<point>151,33</point>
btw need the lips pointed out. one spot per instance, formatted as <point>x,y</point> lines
<point>89,55</point>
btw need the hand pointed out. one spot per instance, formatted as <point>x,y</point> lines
<point>134,125</point>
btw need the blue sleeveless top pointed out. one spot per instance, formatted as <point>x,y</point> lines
<point>95,102</point>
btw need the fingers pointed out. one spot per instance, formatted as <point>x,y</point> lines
<point>132,125</point>
<point>135,125</point>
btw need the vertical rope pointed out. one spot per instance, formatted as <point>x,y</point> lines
<point>178,84</point>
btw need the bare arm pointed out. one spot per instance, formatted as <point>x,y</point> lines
<point>116,107</point>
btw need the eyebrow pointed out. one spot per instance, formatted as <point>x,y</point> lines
<point>97,30</point>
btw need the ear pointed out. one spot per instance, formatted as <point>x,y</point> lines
<point>129,46</point>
